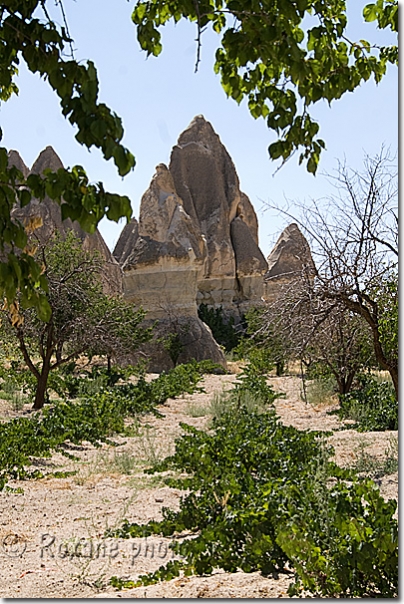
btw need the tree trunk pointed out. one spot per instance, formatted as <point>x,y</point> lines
<point>345,382</point>
<point>280,367</point>
<point>42,382</point>
<point>394,376</point>
<point>59,352</point>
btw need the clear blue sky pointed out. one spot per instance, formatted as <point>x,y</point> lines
<point>158,97</point>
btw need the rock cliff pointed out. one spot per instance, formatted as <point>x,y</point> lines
<point>49,213</point>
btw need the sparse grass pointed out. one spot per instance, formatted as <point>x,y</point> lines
<point>320,391</point>
<point>106,462</point>
<point>198,409</point>
<point>152,451</point>
<point>223,401</point>
<point>10,392</point>
<point>147,481</point>
<point>122,462</point>
<point>373,466</point>
<point>219,404</point>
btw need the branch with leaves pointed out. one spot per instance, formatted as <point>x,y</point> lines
<point>282,57</point>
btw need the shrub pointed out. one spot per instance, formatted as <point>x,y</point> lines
<point>94,419</point>
<point>223,328</point>
<point>260,495</point>
<point>372,405</point>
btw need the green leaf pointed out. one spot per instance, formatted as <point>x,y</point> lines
<point>370,12</point>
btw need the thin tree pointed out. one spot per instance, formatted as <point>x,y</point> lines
<point>354,240</point>
<point>82,317</point>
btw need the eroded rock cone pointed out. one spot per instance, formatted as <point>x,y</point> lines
<point>49,213</point>
<point>15,159</point>
<point>163,257</point>
<point>206,180</point>
<point>126,242</point>
<point>290,260</point>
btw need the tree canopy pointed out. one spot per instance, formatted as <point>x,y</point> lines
<point>83,318</point>
<point>354,240</point>
<point>282,56</point>
<point>28,34</point>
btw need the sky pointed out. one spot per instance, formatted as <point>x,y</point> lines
<point>157,98</point>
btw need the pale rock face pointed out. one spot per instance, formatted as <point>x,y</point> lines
<point>197,242</point>
<point>168,253</point>
<point>289,261</point>
<point>15,159</point>
<point>50,214</point>
<point>250,264</point>
<point>126,241</point>
<point>206,180</point>
<point>161,273</point>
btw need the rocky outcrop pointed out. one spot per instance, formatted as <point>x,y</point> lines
<point>206,180</point>
<point>49,214</point>
<point>168,253</point>
<point>196,242</point>
<point>163,258</point>
<point>290,260</point>
<point>15,159</point>
<point>126,242</point>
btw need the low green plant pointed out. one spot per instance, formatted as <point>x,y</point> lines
<point>223,328</point>
<point>93,419</point>
<point>342,541</point>
<point>261,496</point>
<point>372,405</point>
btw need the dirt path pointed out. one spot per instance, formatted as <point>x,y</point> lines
<point>51,535</point>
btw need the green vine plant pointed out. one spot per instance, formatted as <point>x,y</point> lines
<point>262,496</point>
<point>93,418</point>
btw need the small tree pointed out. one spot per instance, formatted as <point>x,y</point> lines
<point>354,239</point>
<point>83,318</point>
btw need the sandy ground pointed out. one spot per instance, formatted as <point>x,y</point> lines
<point>51,534</point>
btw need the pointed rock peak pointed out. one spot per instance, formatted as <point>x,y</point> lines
<point>290,236</point>
<point>164,179</point>
<point>198,131</point>
<point>290,254</point>
<point>127,241</point>
<point>292,229</point>
<point>48,158</point>
<point>15,159</point>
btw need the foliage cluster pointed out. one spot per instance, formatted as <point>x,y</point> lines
<point>223,328</point>
<point>373,405</point>
<point>30,36</point>
<point>82,317</point>
<point>267,349</point>
<point>261,495</point>
<point>282,57</point>
<point>93,418</point>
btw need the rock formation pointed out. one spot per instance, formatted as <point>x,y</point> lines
<point>206,180</point>
<point>163,258</point>
<point>167,254</point>
<point>126,242</point>
<point>196,242</point>
<point>289,261</point>
<point>49,213</point>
